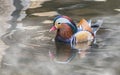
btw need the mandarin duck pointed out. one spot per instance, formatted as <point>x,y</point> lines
<point>69,32</point>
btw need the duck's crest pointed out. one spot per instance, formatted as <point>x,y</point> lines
<point>56,18</point>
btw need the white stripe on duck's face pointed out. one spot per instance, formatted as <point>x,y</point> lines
<point>59,21</point>
<point>62,20</point>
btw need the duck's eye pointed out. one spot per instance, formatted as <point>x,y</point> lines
<point>59,23</point>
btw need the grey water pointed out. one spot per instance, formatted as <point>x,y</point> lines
<point>27,46</point>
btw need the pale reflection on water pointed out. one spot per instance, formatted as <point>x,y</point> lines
<point>28,48</point>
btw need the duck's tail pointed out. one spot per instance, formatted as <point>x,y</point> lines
<point>96,26</point>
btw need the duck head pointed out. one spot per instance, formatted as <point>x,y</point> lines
<point>60,22</point>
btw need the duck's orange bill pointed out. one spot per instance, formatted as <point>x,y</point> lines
<point>53,28</point>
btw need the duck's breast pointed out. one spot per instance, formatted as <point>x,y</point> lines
<point>65,31</point>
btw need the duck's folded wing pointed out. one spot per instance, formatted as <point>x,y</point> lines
<point>84,25</point>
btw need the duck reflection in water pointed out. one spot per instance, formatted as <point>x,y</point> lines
<point>64,53</point>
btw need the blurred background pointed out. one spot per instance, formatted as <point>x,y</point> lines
<point>26,46</point>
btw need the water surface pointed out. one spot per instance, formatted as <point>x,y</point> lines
<point>31,50</point>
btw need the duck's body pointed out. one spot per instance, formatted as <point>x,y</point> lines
<point>69,32</point>
<point>83,36</point>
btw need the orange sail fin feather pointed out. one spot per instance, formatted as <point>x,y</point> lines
<point>85,26</point>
